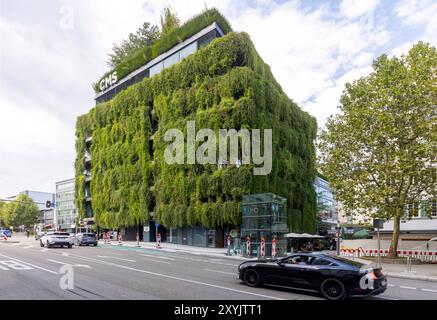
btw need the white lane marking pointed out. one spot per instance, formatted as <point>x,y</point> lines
<point>16,244</point>
<point>14,265</point>
<point>117,258</point>
<point>209,261</point>
<point>176,278</point>
<point>30,264</point>
<point>27,247</point>
<point>409,288</point>
<point>44,250</point>
<point>429,290</point>
<point>65,254</point>
<point>73,265</point>
<point>158,261</point>
<point>391,285</point>
<point>218,271</point>
<point>156,256</point>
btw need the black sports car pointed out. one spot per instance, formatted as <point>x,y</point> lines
<point>335,278</point>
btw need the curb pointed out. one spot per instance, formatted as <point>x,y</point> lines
<point>411,277</point>
<point>9,241</point>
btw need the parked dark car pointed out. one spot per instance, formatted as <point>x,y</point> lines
<point>85,239</point>
<point>335,278</point>
<point>7,233</point>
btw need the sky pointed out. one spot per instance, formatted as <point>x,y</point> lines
<point>51,51</point>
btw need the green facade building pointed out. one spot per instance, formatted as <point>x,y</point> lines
<point>206,73</point>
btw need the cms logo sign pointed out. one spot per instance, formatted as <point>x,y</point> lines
<point>108,81</point>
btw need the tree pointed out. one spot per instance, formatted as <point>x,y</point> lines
<point>21,212</point>
<point>2,205</point>
<point>145,36</point>
<point>169,21</point>
<point>379,152</point>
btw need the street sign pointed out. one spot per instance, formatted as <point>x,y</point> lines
<point>378,223</point>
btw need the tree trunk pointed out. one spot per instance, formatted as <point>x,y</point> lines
<point>392,253</point>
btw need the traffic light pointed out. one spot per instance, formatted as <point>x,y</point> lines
<point>48,204</point>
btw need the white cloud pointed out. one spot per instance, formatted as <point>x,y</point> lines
<point>415,13</point>
<point>357,8</point>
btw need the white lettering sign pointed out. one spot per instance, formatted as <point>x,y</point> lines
<point>108,81</point>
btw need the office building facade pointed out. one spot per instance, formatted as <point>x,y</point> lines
<point>65,212</point>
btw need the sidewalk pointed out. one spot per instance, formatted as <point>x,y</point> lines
<point>427,272</point>
<point>171,247</point>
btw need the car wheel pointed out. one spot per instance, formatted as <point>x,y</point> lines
<point>252,278</point>
<point>48,244</point>
<point>333,289</point>
<point>70,246</point>
<point>95,244</point>
<point>41,244</point>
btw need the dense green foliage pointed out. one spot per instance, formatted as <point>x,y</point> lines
<point>21,212</point>
<point>145,36</point>
<point>2,205</point>
<point>379,153</point>
<point>169,21</point>
<point>224,85</point>
<point>167,41</point>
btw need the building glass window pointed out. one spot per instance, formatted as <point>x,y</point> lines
<point>188,50</point>
<point>173,59</point>
<point>157,68</point>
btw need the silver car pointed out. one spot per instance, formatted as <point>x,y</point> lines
<point>56,238</point>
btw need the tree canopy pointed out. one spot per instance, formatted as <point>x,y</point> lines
<point>379,152</point>
<point>145,36</point>
<point>21,212</point>
<point>169,21</point>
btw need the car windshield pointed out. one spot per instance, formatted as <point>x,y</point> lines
<point>347,261</point>
<point>61,233</point>
<point>89,235</point>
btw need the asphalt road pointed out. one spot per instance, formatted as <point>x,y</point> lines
<point>30,272</point>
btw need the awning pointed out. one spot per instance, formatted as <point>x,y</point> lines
<point>303,236</point>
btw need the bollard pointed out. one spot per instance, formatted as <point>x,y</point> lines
<point>120,240</point>
<point>248,246</point>
<point>138,240</point>
<point>263,247</point>
<point>158,241</point>
<point>274,248</point>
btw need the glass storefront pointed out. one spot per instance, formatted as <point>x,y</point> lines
<point>264,216</point>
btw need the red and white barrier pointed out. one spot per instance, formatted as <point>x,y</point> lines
<point>263,247</point>
<point>248,246</point>
<point>120,240</point>
<point>158,241</point>
<point>422,255</point>
<point>274,247</point>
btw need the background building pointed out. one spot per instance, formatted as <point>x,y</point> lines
<point>327,209</point>
<point>65,211</point>
<point>422,226</point>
